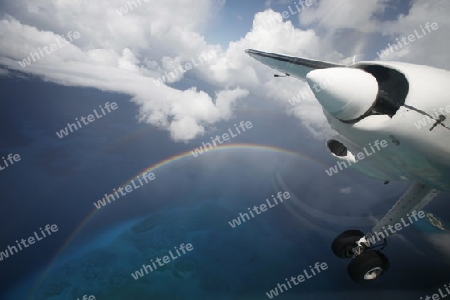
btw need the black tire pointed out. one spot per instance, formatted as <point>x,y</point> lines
<point>368,266</point>
<point>344,243</point>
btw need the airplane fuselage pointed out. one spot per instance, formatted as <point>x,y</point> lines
<point>392,121</point>
<point>368,103</point>
<point>418,134</point>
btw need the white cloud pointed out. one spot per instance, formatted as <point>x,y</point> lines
<point>126,53</point>
<point>4,72</point>
<point>345,14</point>
<point>430,49</point>
<point>104,58</point>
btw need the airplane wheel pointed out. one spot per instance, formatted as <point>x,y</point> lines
<point>343,245</point>
<point>368,266</point>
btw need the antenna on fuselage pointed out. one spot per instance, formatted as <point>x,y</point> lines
<point>285,75</point>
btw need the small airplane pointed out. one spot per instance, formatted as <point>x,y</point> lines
<point>407,106</point>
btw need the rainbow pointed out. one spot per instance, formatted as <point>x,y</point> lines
<point>160,165</point>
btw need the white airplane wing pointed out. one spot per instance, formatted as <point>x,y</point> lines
<point>294,66</point>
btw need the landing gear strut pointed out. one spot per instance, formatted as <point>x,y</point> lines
<point>368,263</point>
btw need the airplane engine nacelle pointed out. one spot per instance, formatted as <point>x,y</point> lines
<point>350,94</point>
<point>346,93</point>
